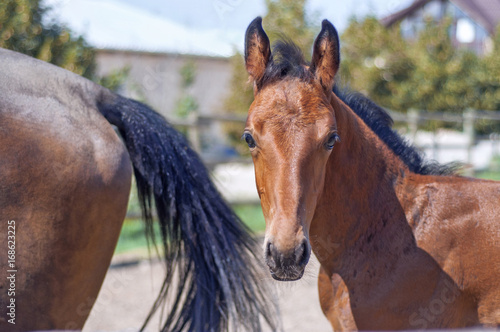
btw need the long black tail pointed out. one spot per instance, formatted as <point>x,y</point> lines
<point>204,242</point>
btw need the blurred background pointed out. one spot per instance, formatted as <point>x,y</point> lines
<point>433,64</point>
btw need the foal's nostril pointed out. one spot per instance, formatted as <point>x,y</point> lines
<point>302,254</point>
<point>270,256</point>
<point>268,249</point>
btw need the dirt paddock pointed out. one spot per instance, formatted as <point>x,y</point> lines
<point>131,285</point>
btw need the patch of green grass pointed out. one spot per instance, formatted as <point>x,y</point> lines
<point>494,170</point>
<point>132,236</point>
<point>251,215</point>
<point>488,175</point>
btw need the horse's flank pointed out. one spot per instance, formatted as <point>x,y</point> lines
<point>65,181</point>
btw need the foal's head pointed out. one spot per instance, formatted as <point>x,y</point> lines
<point>291,131</point>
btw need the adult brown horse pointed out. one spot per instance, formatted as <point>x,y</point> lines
<point>64,185</point>
<point>402,243</point>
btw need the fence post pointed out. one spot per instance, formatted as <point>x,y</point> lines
<point>413,123</point>
<point>435,145</point>
<point>194,130</point>
<point>469,117</point>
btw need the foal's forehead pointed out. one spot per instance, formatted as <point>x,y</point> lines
<point>291,101</point>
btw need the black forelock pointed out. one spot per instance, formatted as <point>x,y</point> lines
<point>287,60</point>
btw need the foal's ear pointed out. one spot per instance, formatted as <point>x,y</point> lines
<point>257,50</point>
<point>326,55</point>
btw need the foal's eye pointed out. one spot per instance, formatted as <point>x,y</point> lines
<point>334,138</point>
<point>249,139</point>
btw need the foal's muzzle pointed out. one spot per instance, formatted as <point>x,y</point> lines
<point>288,265</point>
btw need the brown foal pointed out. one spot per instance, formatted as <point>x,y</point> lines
<point>403,244</point>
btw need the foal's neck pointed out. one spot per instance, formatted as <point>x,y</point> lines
<point>359,216</point>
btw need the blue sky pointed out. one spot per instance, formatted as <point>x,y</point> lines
<point>208,27</point>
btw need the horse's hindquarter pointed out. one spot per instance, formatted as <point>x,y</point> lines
<point>455,220</point>
<point>64,180</point>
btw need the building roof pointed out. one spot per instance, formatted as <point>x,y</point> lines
<point>486,13</point>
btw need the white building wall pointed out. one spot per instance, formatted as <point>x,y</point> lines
<point>155,78</point>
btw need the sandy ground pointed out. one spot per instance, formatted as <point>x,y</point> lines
<point>129,291</point>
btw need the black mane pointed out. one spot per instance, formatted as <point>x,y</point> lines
<point>288,61</point>
<point>381,123</point>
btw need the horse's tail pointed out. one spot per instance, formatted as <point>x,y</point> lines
<point>205,244</point>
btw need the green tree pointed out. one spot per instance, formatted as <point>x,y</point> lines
<point>427,73</point>
<point>375,61</point>
<point>239,100</point>
<point>488,82</point>
<point>444,78</point>
<point>186,103</point>
<point>288,19</point>
<point>114,79</point>
<point>487,86</point>
<point>22,30</point>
